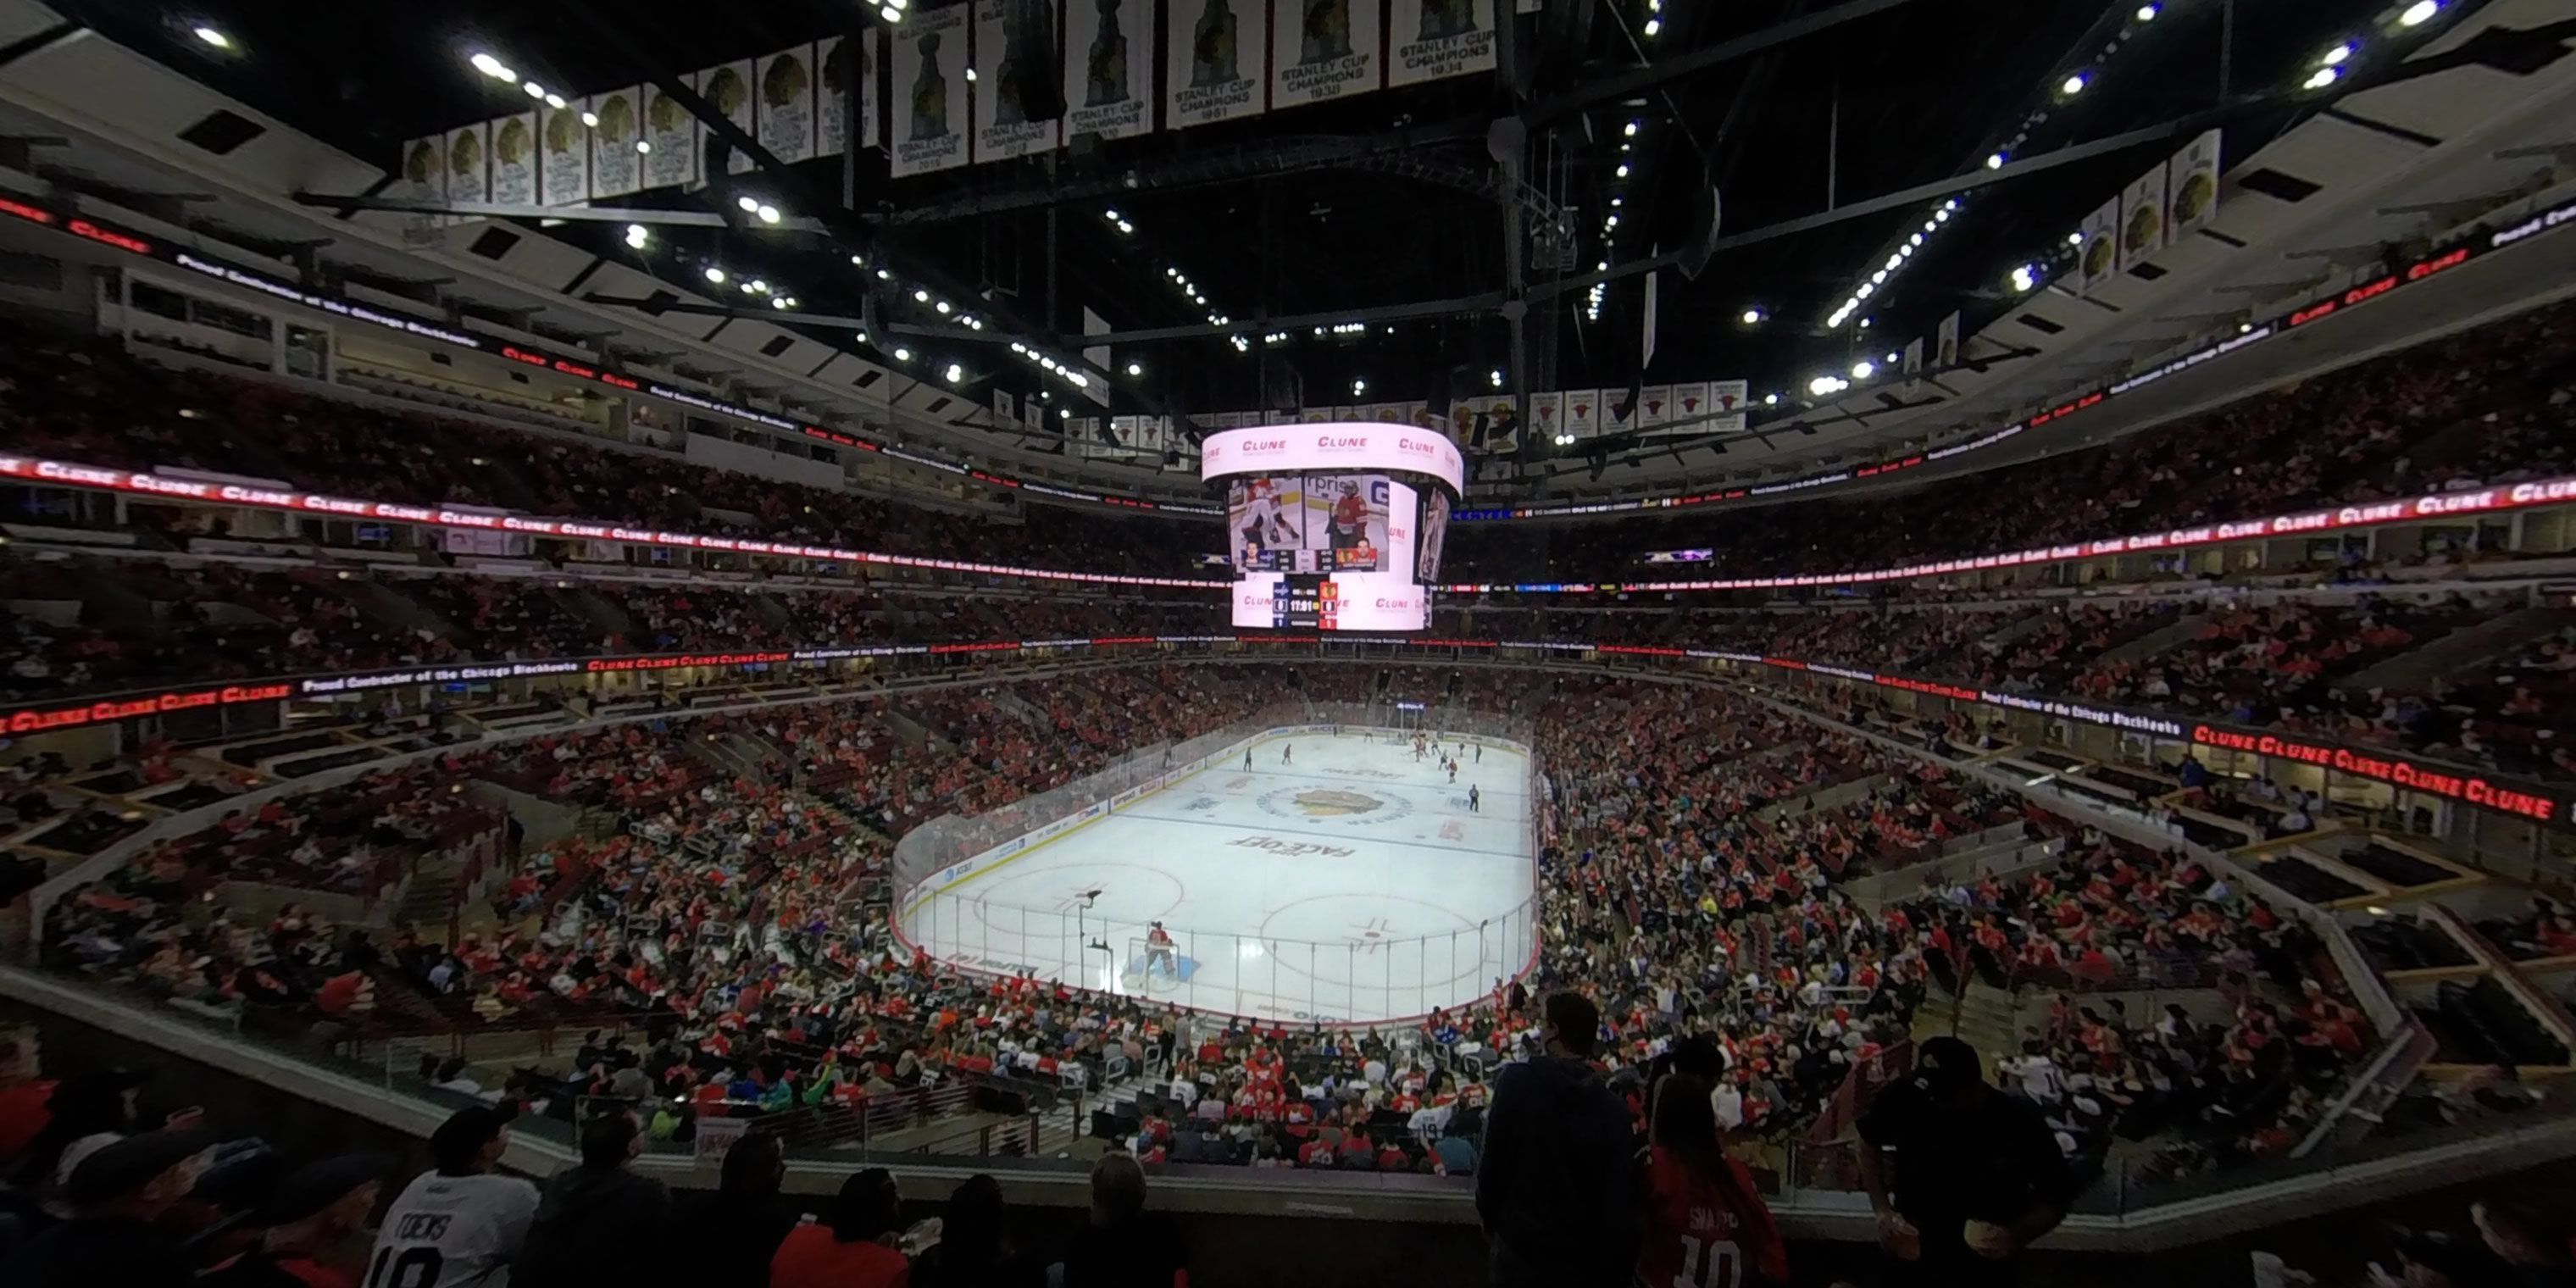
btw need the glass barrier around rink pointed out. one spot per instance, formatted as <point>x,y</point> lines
<point>1364,977</point>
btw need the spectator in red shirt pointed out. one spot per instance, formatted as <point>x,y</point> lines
<point>854,1248</point>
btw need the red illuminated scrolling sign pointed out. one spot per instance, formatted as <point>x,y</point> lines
<point>2397,771</point>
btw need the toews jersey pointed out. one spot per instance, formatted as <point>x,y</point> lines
<point>1704,1232</point>
<point>452,1232</point>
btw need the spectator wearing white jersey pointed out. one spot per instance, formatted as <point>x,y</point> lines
<point>457,1225</point>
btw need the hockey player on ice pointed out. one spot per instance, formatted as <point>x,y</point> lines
<point>1286,752</point>
<point>1159,951</point>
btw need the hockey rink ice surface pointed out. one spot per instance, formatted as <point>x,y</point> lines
<point>1348,885</point>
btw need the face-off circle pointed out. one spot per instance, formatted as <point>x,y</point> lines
<point>1347,806</point>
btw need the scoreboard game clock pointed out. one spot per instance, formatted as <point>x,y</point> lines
<point>1334,527</point>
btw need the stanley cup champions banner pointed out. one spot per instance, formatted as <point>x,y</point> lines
<point>1108,67</point>
<point>1430,39</point>
<point>2193,186</point>
<point>728,89</point>
<point>616,168</point>
<point>1219,57</point>
<point>926,69</point>
<point>1002,125</point>
<point>673,162</point>
<point>469,163</point>
<point>564,170</point>
<point>1323,49</point>
<point>786,104</point>
<point>514,159</point>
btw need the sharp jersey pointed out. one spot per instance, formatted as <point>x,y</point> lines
<point>1703,1232</point>
<point>452,1232</point>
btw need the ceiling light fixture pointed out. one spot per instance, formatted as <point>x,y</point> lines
<point>2419,13</point>
<point>954,373</point>
<point>215,38</point>
<point>715,274</point>
<point>2072,85</point>
<point>902,354</point>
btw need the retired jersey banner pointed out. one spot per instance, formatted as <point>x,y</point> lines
<point>1945,343</point>
<point>727,88</point>
<point>469,163</point>
<point>786,104</point>
<point>2192,187</point>
<point>1220,52</point>
<point>926,66</point>
<point>616,167</point>
<point>563,172</point>
<point>1002,126</point>
<point>1324,49</point>
<point>673,162</point>
<point>424,169</point>
<point>1430,39</point>
<point>1108,67</point>
<point>514,159</point>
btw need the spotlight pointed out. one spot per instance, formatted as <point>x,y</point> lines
<point>2322,77</point>
<point>2334,57</point>
<point>1864,369</point>
<point>2148,12</point>
<point>215,38</point>
<point>748,204</point>
<point>942,306</point>
<point>2072,85</point>
<point>715,274</point>
<point>492,67</point>
<point>1995,161</point>
<point>1359,386</point>
<point>902,354</point>
<point>2024,277</point>
<point>757,286</point>
<point>1770,400</point>
<point>1654,25</point>
<point>970,75</point>
<point>1753,317</point>
<point>637,235</point>
<point>534,89</point>
<point>921,297</point>
<point>555,101</point>
<point>1110,215</point>
<point>954,373</point>
<point>780,302</point>
<point>1632,129</point>
<point>1135,368</point>
<point>1079,381</point>
<point>2075,238</point>
<point>1498,377</point>
<point>890,14</point>
<point>643,145</point>
<point>1623,170</point>
<point>2419,13</point>
<point>590,120</point>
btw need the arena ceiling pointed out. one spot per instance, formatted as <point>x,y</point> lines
<point>1395,197</point>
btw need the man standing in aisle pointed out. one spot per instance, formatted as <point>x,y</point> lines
<point>1978,1173</point>
<point>1555,1186</point>
<point>1474,801</point>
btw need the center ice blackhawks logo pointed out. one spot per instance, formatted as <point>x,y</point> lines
<point>1333,804</point>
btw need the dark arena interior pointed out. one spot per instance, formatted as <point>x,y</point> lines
<point>1166,643</point>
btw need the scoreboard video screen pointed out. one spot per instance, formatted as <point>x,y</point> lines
<point>1327,526</point>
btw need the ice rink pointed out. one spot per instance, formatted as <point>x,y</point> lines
<point>1349,883</point>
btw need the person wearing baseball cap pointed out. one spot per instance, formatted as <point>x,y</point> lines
<point>1977,1175</point>
<point>309,1215</point>
<point>117,1194</point>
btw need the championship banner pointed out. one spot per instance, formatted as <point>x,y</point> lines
<point>1437,38</point>
<point>1006,409</point>
<point>1108,68</point>
<point>1547,416</point>
<point>833,83</point>
<point>1002,127</point>
<point>786,104</point>
<point>1582,413</point>
<point>514,159</point>
<point>1654,406</point>
<point>1220,51</point>
<point>563,172</point>
<point>1387,413</point>
<point>673,162</point>
<point>1945,343</point>
<point>2192,180</point>
<point>2142,218</point>
<point>424,169</point>
<point>2099,261</point>
<point>1913,367</point>
<point>1417,414</point>
<point>1316,416</point>
<point>1323,49</point>
<point>469,157</point>
<point>926,65</point>
<point>616,168</point>
<point>1690,401</point>
<point>726,88</point>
